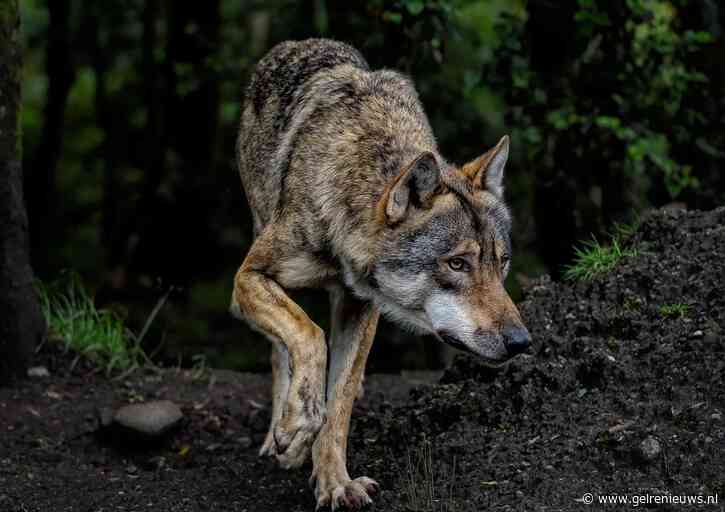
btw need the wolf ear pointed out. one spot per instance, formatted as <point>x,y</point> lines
<point>486,171</point>
<point>416,184</point>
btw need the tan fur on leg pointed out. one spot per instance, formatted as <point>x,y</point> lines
<point>353,330</point>
<point>267,308</point>
<point>279,360</point>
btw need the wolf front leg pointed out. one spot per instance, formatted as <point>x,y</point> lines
<point>266,307</point>
<point>353,329</point>
<point>281,375</point>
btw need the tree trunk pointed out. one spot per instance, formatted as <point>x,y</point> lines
<point>21,322</point>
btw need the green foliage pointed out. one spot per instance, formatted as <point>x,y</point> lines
<point>593,259</point>
<point>676,310</point>
<point>622,98</point>
<point>98,334</point>
<point>623,231</point>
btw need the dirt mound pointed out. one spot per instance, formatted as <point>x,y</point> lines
<point>625,395</point>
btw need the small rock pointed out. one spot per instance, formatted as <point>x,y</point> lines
<point>131,469</point>
<point>38,372</point>
<point>716,416</point>
<point>519,494</point>
<point>245,441</point>
<point>149,419</point>
<point>650,449</point>
<point>697,334</point>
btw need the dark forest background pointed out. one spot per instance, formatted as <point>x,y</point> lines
<point>130,112</point>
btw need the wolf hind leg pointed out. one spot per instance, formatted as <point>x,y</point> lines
<point>353,329</point>
<point>281,374</point>
<point>263,303</point>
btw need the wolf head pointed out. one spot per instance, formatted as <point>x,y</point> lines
<point>446,252</point>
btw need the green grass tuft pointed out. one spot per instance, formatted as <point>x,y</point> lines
<point>677,310</point>
<point>593,259</point>
<point>99,334</point>
<point>622,231</point>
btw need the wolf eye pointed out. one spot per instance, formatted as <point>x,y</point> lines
<point>457,264</point>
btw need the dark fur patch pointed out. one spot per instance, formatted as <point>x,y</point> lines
<point>284,70</point>
<point>310,406</point>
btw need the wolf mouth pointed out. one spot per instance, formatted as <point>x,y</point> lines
<point>458,344</point>
<point>453,341</point>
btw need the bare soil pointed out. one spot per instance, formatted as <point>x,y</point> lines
<point>619,398</point>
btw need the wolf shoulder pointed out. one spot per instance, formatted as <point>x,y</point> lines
<point>285,69</point>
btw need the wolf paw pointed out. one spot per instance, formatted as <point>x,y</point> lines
<point>293,437</point>
<point>268,449</point>
<point>351,494</point>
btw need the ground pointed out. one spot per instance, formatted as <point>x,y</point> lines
<point>625,394</point>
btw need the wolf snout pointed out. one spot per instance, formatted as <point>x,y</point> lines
<point>516,339</point>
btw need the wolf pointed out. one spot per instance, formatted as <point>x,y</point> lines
<point>349,193</point>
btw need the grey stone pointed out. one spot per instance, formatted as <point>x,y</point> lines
<point>38,372</point>
<point>650,449</point>
<point>149,419</point>
<point>244,441</point>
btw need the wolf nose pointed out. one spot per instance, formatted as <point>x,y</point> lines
<point>516,339</point>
